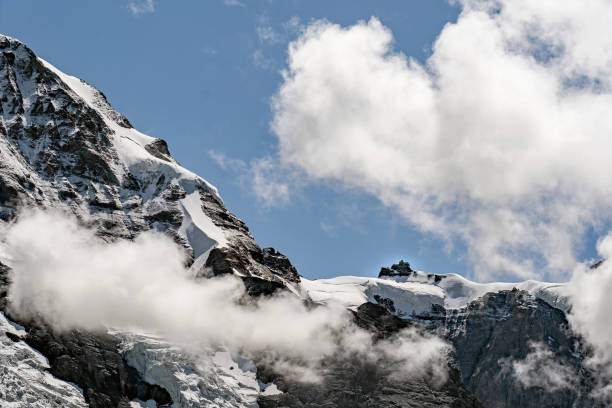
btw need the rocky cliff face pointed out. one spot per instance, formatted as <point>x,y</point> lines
<point>353,382</point>
<point>511,347</point>
<point>63,147</point>
<point>500,329</point>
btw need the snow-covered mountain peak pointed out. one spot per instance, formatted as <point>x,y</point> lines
<point>63,146</point>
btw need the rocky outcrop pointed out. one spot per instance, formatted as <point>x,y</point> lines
<point>280,264</point>
<point>4,285</point>
<point>399,269</point>
<point>159,149</point>
<point>402,269</point>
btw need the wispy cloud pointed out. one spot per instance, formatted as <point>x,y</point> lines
<point>262,177</point>
<point>267,33</point>
<point>227,163</point>
<point>261,61</point>
<point>273,36</point>
<point>139,7</point>
<point>209,50</point>
<point>293,25</point>
<point>269,184</point>
<point>233,3</point>
<point>328,228</point>
<point>540,368</point>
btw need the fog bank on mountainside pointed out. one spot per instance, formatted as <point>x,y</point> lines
<point>65,275</point>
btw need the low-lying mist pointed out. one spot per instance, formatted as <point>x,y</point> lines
<point>590,316</point>
<point>66,276</point>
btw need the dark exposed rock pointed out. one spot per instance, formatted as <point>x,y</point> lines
<point>399,269</point>
<point>280,264</point>
<point>261,287</point>
<point>9,194</point>
<point>4,285</point>
<point>93,362</point>
<point>111,205</point>
<point>13,337</point>
<point>403,269</point>
<point>68,195</point>
<point>174,192</point>
<point>377,319</point>
<point>357,382</point>
<point>159,149</point>
<point>244,256</point>
<point>386,303</point>
<point>499,328</point>
<point>222,261</point>
<point>597,264</point>
<point>220,215</point>
<point>84,152</point>
<point>174,218</point>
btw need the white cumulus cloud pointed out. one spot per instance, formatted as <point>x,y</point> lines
<point>499,141</point>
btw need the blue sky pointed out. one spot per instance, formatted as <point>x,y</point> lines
<point>201,75</point>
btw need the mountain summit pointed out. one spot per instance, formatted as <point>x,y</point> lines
<point>64,147</point>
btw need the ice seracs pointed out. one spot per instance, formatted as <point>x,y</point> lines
<point>206,378</point>
<point>352,291</point>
